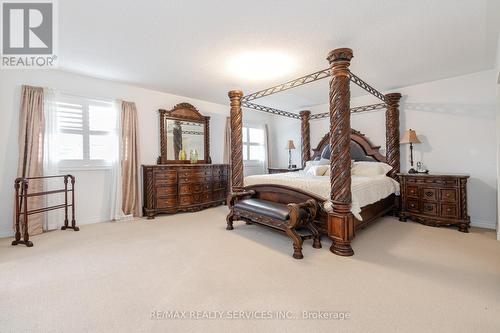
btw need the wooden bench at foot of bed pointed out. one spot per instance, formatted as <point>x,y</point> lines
<point>341,228</point>
<point>295,219</point>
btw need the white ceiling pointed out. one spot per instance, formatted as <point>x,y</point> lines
<point>183,46</point>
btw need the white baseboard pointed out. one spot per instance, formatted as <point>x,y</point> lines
<point>6,233</point>
<point>10,233</point>
<point>483,224</point>
<point>92,220</point>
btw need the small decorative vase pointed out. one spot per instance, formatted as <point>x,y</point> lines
<point>182,155</point>
<point>194,156</point>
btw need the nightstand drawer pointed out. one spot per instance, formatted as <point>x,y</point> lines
<point>412,205</point>
<point>429,194</point>
<point>433,181</point>
<point>412,191</point>
<point>448,195</point>
<point>429,208</point>
<point>449,210</point>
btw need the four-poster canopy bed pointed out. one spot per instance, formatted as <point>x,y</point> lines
<point>338,223</point>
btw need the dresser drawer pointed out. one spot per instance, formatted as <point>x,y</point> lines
<point>197,198</point>
<point>429,194</point>
<point>449,210</point>
<point>194,179</point>
<point>166,190</point>
<point>184,188</point>
<point>219,186</point>
<point>429,208</point>
<point>166,202</point>
<point>448,194</point>
<point>195,173</point>
<point>203,197</point>
<point>220,172</point>
<point>200,188</point>
<point>166,177</point>
<point>185,200</point>
<point>412,205</point>
<point>220,178</point>
<point>412,191</point>
<point>219,195</point>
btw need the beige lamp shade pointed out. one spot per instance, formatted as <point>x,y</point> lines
<point>410,136</point>
<point>290,145</point>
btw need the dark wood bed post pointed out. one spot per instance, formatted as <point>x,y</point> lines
<point>392,133</point>
<point>236,141</point>
<point>340,220</point>
<point>305,116</point>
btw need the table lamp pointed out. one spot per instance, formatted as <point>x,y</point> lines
<point>410,137</point>
<point>290,146</point>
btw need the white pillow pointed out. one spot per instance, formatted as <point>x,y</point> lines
<point>327,173</point>
<point>317,170</point>
<point>368,169</point>
<point>309,164</point>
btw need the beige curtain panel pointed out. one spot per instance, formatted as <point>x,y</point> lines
<point>130,160</point>
<point>31,134</point>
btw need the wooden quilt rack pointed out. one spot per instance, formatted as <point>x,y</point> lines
<point>21,186</point>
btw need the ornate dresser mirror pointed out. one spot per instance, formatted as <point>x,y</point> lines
<point>184,131</point>
<point>175,184</point>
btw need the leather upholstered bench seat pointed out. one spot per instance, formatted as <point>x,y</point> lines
<point>270,209</point>
<point>293,219</point>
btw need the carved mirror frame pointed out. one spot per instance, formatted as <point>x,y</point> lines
<point>183,112</point>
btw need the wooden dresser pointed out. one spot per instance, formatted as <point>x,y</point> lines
<point>183,187</point>
<point>435,200</point>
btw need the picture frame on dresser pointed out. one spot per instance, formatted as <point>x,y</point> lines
<point>179,185</point>
<point>435,199</point>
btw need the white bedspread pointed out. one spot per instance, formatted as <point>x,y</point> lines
<point>365,190</point>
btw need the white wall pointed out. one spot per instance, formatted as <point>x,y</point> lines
<point>285,129</point>
<point>497,67</point>
<point>92,186</point>
<point>454,118</point>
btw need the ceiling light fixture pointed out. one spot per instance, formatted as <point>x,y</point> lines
<point>261,66</point>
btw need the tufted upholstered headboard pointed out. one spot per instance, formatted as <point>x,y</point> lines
<point>361,149</point>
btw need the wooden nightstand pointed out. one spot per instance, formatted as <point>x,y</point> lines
<point>281,170</point>
<point>435,200</point>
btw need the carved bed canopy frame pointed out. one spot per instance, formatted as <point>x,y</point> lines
<point>340,221</point>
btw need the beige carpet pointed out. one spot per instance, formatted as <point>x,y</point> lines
<point>110,277</point>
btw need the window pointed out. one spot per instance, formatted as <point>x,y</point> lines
<point>253,144</point>
<point>86,132</point>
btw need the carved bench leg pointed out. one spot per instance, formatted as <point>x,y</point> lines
<point>297,243</point>
<point>316,235</point>
<point>229,220</point>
